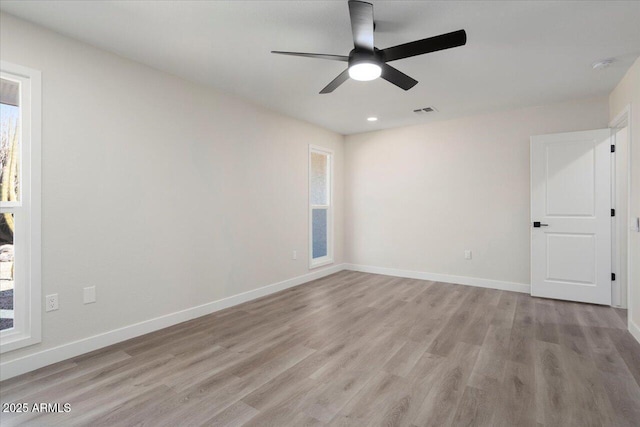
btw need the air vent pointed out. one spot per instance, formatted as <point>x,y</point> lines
<point>425,110</point>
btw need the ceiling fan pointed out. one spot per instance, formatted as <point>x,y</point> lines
<point>366,62</point>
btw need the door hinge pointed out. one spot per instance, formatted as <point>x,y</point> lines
<point>613,148</point>
<point>613,212</point>
<point>613,276</point>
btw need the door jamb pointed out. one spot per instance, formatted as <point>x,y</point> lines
<point>622,120</point>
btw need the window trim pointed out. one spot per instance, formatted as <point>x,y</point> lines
<point>27,328</point>
<point>328,259</point>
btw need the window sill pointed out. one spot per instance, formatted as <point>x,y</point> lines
<point>15,340</point>
<point>320,262</point>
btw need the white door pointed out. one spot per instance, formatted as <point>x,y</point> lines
<point>571,216</point>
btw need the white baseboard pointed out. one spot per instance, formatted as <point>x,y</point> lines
<point>634,330</point>
<point>446,278</point>
<point>57,354</point>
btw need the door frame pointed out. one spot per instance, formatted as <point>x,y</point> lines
<point>621,121</point>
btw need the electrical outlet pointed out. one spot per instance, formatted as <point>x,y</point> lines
<point>89,295</point>
<point>467,254</point>
<point>294,255</point>
<point>51,302</point>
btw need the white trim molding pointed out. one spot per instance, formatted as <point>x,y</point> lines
<point>327,259</point>
<point>634,330</point>
<point>446,278</point>
<point>622,120</point>
<point>27,309</point>
<point>66,351</point>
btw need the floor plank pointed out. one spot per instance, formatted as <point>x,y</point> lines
<point>357,349</point>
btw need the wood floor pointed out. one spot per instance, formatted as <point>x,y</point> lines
<point>358,349</point>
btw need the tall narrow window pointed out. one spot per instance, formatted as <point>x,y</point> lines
<point>20,305</point>
<point>320,206</point>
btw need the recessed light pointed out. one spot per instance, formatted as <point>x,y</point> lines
<point>372,119</point>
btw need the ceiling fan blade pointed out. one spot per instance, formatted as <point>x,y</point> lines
<point>342,77</point>
<point>431,44</point>
<point>361,14</point>
<point>397,77</point>
<point>314,55</point>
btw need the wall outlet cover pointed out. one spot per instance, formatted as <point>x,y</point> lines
<point>51,302</point>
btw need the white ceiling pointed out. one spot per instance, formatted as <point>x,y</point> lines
<point>518,53</point>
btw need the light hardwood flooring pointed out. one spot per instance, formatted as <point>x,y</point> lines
<point>358,349</point>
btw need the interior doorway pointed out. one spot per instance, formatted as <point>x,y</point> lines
<point>620,196</point>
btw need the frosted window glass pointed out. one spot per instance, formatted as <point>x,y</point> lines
<point>319,226</point>
<point>319,181</point>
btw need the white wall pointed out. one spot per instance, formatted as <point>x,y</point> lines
<point>628,93</point>
<point>162,193</point>
<point>417,197</point>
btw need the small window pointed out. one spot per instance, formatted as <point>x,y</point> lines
<point>320,206</point>
<point>20,305</point>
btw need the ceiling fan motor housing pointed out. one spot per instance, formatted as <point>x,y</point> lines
<point>363,56</point>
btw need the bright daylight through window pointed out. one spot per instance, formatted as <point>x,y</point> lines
<point>9,192</point>
<point>20,304</point>
<point>321,206</point>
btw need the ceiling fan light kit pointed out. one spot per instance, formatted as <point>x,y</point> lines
<point>366,62</point>
<point>365,71</point>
